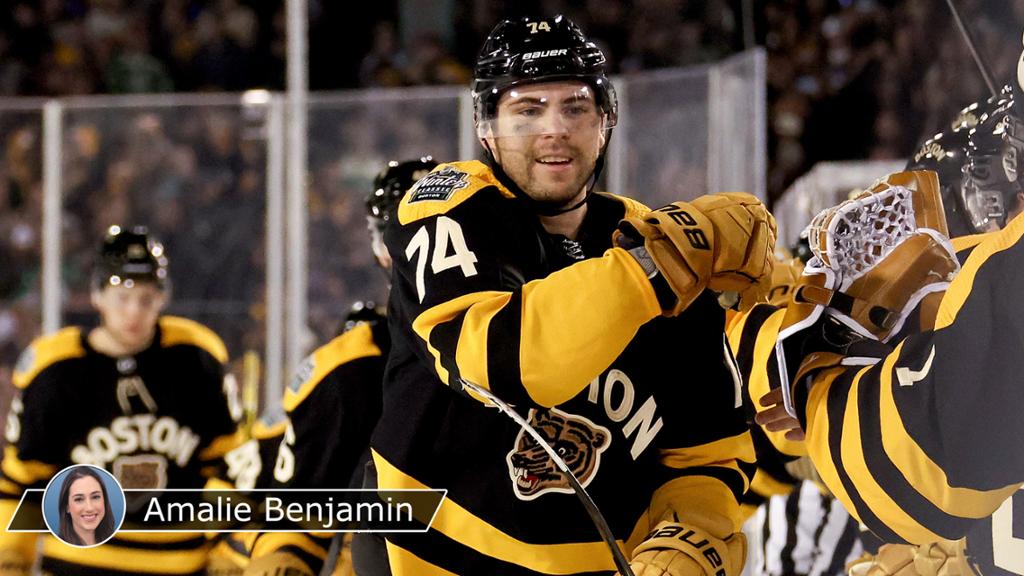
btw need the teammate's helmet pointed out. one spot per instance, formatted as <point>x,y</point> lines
<point>527,50</point>
<point>991,176</point>
<point>946,155</point>
<point>366,311</point>
<point>391,184</point>
<point>129,256</point>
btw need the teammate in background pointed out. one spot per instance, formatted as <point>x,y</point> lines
<point>920,445</point>
<point>327,414</point>
<point>143,396</point>
<point>506,275</point>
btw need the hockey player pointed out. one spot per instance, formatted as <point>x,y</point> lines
<point>506,275</point>
<point>141,395</point>
<point>920,444</point>
<point>807,531</point>
<point>329,409</point>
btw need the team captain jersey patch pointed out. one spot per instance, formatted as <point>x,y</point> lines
<point>439,185</point>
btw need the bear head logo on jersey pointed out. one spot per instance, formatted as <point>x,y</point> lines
<point>576,439</point>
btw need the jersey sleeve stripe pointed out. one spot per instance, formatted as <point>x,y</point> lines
<point>458,523</point>
<point>961,286</point>
<point>738,447</point>
<point>25,472</point>
<point>221,445</point>
<point>869,499</point>
<point>913,467</point>
<point>896,462</point>
<point>430,319</point>
<point>271,542</point>
<point>113,557</point>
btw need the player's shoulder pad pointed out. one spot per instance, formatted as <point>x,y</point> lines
<point>447,186</point>
<point>270,425</point>
<point>352,345</point>
<point>46,351</point>
<point>175,331</point>
<point>634,209</point>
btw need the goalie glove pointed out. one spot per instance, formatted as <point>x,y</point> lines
<point>943,558</point>
<point>724,242</point>
<point>675,549</point>
<point>875,257</point>
<point>891,560</point>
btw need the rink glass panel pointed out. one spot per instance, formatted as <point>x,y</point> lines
<point>21,202</point>
<point>351,138</point>
<point>193,172</point>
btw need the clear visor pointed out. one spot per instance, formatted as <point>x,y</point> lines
<point>539,109</point>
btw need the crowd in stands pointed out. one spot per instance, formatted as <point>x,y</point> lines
<point>846,79</point>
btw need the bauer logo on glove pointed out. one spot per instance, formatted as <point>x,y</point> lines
<point>723,242</point>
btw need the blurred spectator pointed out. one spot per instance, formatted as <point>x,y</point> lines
<point>846,79</point>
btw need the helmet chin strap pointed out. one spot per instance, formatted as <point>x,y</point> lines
<point>543,208</point>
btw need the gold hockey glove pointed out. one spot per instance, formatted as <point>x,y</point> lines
<point>675,549</point>
<point>942,558</point>
<point>278,564</point>
<point>891,560</point>
<point>724,242</point>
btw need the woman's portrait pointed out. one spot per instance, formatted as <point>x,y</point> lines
<point>84,516</point>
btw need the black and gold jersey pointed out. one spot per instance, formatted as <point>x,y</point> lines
<point>568,331</point>
<point>158,419</point>
<point>332,404</point>
<point>925,443</point>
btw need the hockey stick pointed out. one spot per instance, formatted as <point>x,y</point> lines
<point>595,515</point>
<point>986,75</point>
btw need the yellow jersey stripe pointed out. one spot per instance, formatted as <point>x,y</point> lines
<point>114,557</point>
<point>471,354</point>
<point>921,472</point>
<point>558,359</point>
<point>25,472</point>
<point>961,286</point>
<point>461,525</point>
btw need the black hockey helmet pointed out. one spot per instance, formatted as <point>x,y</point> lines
<point>366,311</point>
<point>946,155</point>
<point>528,50</point>
<point>992,178</point>
<point>128,256</point>
<point>392,183</point>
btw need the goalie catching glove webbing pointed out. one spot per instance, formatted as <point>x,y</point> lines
<point>875,257</point>
<point>724,242</point>
<point>675,549</point>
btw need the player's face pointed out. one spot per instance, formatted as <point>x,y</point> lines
<point>85,504</point>
<point>130,314</point>
<point>380,250</point>
<point>547,138</point>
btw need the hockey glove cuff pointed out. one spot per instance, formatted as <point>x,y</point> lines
<point>675,549</point>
